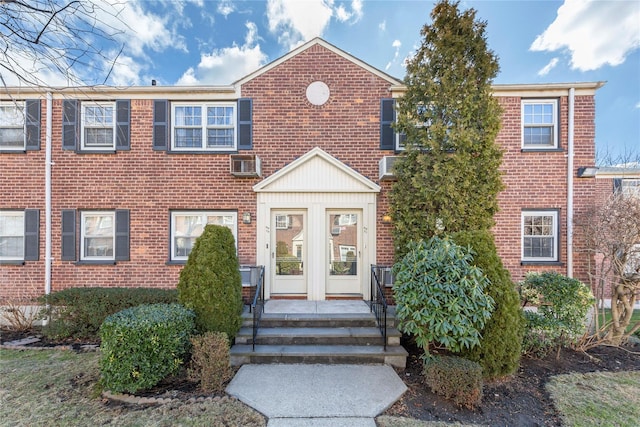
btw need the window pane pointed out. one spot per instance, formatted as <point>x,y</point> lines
<point>12,137</point>
<point>219,137</point>
<point>188,227</point>
<point>538,136</point>
<point>188,116</point>
<point>220,116</point>
<point>98,235</point>
<point>538,114</point>
<point>12,224</point>
<point>98,246</point>
<point>98,137</point>
<point>189,138</point>
<point>11,247</point>
<point>98,115</point>
<point>11,116</point>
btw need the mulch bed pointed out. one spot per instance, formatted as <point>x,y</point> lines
<point>520,400</point>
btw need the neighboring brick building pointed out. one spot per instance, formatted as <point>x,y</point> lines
<point>293,161</point>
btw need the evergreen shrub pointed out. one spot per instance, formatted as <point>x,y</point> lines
<point>440,295</point>
<point>79,312</point>
<point>210,283</point>
<point>210,362</point>
<point>143,345</point>
<point>562,304</point>
<point>456,379</point>
<point>500,345</point>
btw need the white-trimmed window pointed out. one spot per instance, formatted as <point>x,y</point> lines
<point>98,236</point>
<point>539,124</point>
<point>12,118</point>
<point>630,187</point>
<point>540,236</point>
<point>283,222</point>
<point>187,226</point>
<point>203,127</point>
<point>98,126</point>
<point>11,235</point>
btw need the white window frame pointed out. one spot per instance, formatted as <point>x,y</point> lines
<point>84,215</point>
<point>554,124</point>
<point>86,126</point>
<point>21,233</point>
<point>554,234</point>
<point>283,222</point>
<point>630,187</point>
<point>19,114</point>
<point>204,126</point>
<point>204,218</point>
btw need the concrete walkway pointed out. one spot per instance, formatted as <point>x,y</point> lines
<point>318,395</point>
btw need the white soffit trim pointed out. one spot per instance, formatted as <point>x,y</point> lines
<point>316,172</point>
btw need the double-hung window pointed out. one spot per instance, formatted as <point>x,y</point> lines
<point>539,124</point>
<point>204,127</point>
<point>12,118</point>
<point>187,226</point>
<point>98,126</point>
<point>98,236</point>
<point>11,235</point>
<point>540,236</point>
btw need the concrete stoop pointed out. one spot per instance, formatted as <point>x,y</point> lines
<point>318,338</point>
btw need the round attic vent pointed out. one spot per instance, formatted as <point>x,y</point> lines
<point>318,93</point>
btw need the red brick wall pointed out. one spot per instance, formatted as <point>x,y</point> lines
<point>285,126</point>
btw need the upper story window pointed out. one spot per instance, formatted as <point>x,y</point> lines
<point>204,127</point>
<point>540,236</point>
<point>187,226</point>
<point>540,124</point>
<point>12,118</point>
<point>98,126</point>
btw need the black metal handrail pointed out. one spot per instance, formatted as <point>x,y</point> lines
<point>378,302</point>
<point>257,304</point>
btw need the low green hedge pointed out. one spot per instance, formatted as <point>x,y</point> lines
<point>456,379</point>
<point>79,312</point>
<point>143,345</point>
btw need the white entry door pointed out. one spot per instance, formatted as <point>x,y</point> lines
<point>288,252</point>
<point>344,246</point>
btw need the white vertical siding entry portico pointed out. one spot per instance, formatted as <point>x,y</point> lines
<point>316,183</point>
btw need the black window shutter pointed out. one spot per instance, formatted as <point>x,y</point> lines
<point>70,124</point>
<point>123,129</point>
<point>122,235</point>
<point>32,124</point>
<point>617,185</point>
<point>245,126</point>
<point>68,235</point>
<point>31,235</point>
<point>160,124</point>
<point>387,117</point>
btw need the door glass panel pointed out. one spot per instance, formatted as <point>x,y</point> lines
<point>343,244</point>
<point>289,244</point>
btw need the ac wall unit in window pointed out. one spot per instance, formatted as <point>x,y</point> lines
<point>245,165</point>
<point>385,165</point>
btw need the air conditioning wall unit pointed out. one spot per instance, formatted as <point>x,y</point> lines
<point>245,165</point>
<point>385,167</point>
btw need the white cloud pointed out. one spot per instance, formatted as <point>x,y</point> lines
<point>226,8</point>
<point>397,44</point>
<point>596,33</point>
<point>353,16</point>
<point>545,70</point>
<point>296,22</point>
<point>126,71</point>
<point>383,26</point>
<point>226,65</point>
<point>638,105</point>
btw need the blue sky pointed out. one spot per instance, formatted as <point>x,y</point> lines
<point>204,42</point>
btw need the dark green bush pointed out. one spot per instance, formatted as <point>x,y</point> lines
<point>440,295</point>
<point>562,304</point>
<point>79,312</point>
<point>210,282</point>
<point>210,361</point>
<point>455,378</point>
<point>143,345</point>
<point>500,346</point>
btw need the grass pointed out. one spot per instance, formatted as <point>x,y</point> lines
<point>597,398</point>
<point>635,317</point>
<point>53,387</point>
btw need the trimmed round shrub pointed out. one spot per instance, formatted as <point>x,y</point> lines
<point>210,282</point>
<point>440,295</point>
<point>143,345</point>
<point>562,306</point>
<point>500,345</point>
<point>456,379</point>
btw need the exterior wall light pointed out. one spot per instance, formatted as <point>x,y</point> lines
<point>386,219</point>
<point>587,172</point>
<point>246,217</point>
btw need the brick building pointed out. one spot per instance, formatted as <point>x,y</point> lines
<point>293,158</point>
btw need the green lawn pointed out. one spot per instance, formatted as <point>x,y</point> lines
<point>634,318</point>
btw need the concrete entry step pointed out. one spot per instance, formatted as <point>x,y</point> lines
<point>324,335</point>
<point>242,354</point>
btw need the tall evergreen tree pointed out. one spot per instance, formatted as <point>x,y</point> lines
<point>448,177</point>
